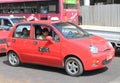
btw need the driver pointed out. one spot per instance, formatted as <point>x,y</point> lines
<point>44,34</point>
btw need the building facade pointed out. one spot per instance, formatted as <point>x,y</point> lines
<point>98,2</point>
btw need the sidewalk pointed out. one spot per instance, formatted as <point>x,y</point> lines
<point>103,28</point>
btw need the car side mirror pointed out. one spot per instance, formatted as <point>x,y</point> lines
<point>49,38</point>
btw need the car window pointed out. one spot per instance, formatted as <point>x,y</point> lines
<point>22,31</point>
<point>0,21</point>
<point>55,36</point>
<point>17,20</point>
<point>70,30</point>
<point>6,22</point>
<point>1,28</point>
<point>39,32</point>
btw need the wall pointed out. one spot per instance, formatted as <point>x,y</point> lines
<point>105,15</point>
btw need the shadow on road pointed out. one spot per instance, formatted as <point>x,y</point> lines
<point>45,68</point>
<point>57,70</point>
<point>2,54</point>
<point>60,70</point>
<point>94,72</point>
<point>39,67</point>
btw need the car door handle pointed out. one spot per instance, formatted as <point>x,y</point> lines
<point>35,42</point>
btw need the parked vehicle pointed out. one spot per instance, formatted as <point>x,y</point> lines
<point>6,23</point>
<point>112,36</point>
<point>66,46</point>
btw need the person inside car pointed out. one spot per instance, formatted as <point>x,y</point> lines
<point>25,33</point>
<point>44,34</point>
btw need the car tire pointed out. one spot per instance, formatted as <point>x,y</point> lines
<point>73,66</point>
<point>13,59</point>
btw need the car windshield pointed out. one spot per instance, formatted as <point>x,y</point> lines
<point>70,30</point>
<point>17,20</point>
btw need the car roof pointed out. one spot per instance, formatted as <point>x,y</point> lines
<point>39,22</point>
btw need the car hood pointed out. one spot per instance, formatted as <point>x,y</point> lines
<point>96,41</point>
<point>3,34</point>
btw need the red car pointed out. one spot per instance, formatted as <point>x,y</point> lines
<point>58,44</point>
<point>3,36</point>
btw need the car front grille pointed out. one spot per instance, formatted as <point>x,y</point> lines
<point>105,62</point>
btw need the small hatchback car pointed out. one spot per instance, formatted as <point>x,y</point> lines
<point>58,44</point>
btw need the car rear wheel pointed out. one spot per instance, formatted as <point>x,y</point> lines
<point>13,59</point>
<point>73,66</point>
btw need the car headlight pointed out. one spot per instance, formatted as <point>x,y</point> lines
<point>93,49</point>
<point>2,41</point>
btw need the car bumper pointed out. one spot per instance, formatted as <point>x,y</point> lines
<point>3,48</point>
<point>100,60</point>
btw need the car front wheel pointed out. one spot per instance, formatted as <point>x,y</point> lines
<point>73,66</point>
<point>13,59</point>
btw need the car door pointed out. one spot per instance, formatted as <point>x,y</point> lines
<point>43,51</point>
<point>22,44</point>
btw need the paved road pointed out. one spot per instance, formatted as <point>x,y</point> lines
<point>27,73</point>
